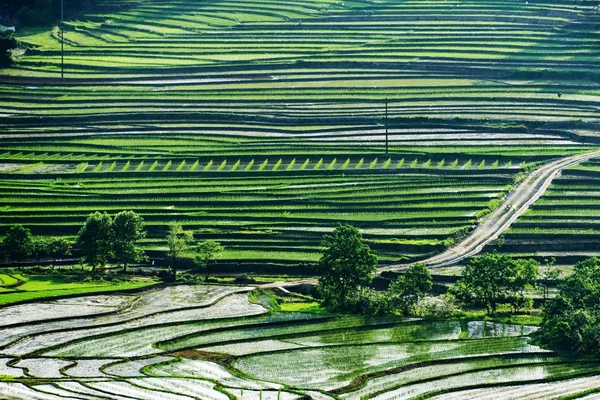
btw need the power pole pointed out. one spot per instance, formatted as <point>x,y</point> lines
<point>62,40</point>
<point>386,127</point>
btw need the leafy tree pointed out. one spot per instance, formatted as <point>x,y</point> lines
<point>7,44</point>
<point>493,279</point>
<point>346,266</point>
<point>59,247</point>
<point>406,291</point>
<point>549,276</point>
<point>40,248</point>
<point>95,239</point>
<point>371,302</point>
<point>17,244</point>
<point>43,12</point>
<point>206,253</point>
<point>521,277</point>
<point>178,241</point>
<point>571,321</point>
<point>128,231</point>
<point>50,247</point>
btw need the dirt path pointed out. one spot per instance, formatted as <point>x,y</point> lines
<point>496,223</point>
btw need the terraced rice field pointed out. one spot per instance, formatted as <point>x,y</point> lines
<point>563,223</point>
<point>210,342</point>
<point>262,124</point>
<point>407,208</point>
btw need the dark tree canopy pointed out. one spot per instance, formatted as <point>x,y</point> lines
<point>17,244</point>
<point>7,44</point>
<point>493,279</point>
<point>346,266</point>
<point>178,241</point>
<point>45,12</point>
<point>95,239</point>
<point>206,252</point>
<point>406,291</point>
<point>572,320</point>
<point>128,230</point>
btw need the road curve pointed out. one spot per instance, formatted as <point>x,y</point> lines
<point>521,197</point>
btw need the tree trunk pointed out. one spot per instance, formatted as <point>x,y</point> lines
<point>343,297</point>
<point>206,271</point>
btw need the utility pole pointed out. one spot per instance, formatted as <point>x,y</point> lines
<point>62,40</point>
<point>386,127</point>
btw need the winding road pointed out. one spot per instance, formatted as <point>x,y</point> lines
<point>519,199</point>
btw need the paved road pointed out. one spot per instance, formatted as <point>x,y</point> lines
<point>521,197</point>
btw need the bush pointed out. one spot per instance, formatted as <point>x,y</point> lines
<point>166,276</point>
<point>7,44</point>
<point>437,307</point>
<point>370,302</point>
<point>571,321</point>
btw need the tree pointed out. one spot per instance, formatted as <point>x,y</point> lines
<point>408,289</point>
<point>50,247</point>
<point>40,248</point>
<point>17,244</point>
<point>346,266</point>
<point>59,247</point>
<point>206,253</point>
<point>521,277</point>
<point>7,44</point>
<point>549,276</point>
<point>178,241</point>
<point>128,231</point>
<point>95,239</point>
<point>571,321</point>
<point>492,279</point>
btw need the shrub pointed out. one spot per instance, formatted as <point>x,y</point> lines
<point>166,276</point>
<point>369,302</point>
<point>437,307</point>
